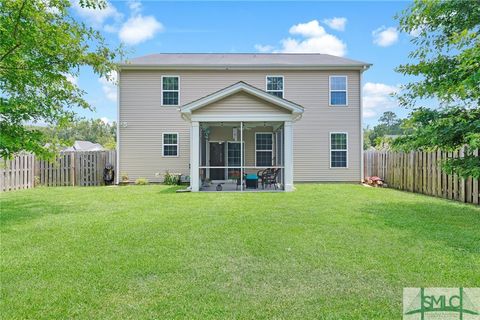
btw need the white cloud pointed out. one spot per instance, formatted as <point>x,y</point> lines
<point>71,78</point>
<point>105,120</point>
<point>336,23</point>
<point>110,28</point>
<point>416,32</point>
<point>377,98</point>
<point>385,37</point>
<point>138,29</point>
<point>327,44</point>
<point>135,6</point>
<point>313,39</point>
<point>109,86</point>
<point>261,48</point>
<point>135,30</point>
<point>96,17</point>
<point>309,29</point>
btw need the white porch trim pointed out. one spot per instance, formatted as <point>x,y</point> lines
<point>195,156</point>
<point>288,155</point>
<point>245,118</point>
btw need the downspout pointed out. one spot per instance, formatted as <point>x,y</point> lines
<point>362,174</point>
<point>117,165</point>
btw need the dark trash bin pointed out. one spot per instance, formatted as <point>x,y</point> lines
<point>108,174</point>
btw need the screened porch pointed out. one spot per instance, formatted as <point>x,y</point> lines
<point>241,156</point>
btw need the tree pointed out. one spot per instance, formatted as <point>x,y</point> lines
<point>94,130</point>
<point>447,65</point>
<point>388,124</point>
<point>391,120</point>
<point>367,141</point>
<point>42,46</point>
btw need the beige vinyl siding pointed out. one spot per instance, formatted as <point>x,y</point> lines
<point>240,103</point>
<point>146,120</point>
<point>140,142</point>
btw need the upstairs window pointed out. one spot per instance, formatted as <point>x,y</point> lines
<point>338,150</point>
<point>338,91</point>
<point>170,144</point>
<point>275,85</point>
<point>170,90</point>
<point>263,149</point>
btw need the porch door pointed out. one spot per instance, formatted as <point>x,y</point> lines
<point>233,159</point>
<point>217,159</point>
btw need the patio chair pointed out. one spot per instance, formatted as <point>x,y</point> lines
<point>262,174</point>
<point>265,176</point>
<point>270,178</point>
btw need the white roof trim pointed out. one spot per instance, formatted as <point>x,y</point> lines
<point>279,67</point>
<point>241,87</point>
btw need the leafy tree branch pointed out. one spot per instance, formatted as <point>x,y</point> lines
<point>42,45</point>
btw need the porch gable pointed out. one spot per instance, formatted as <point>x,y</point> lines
<point>241,103</point>
<point>241,98</point>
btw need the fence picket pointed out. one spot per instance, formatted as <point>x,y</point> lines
<point>420,172</point>
<point>475,187</point>
<point>67,169</point>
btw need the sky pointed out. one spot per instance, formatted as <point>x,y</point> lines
<point>365,31</point>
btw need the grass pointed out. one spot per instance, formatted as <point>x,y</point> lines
<point>327,251</point>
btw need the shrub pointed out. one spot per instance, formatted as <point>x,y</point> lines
<point>124,177</point>
<point>141,181</point>
<point>171,178</point>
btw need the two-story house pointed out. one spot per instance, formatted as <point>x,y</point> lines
<point>241,121</point>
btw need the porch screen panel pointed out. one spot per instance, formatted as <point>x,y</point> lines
<point>233,159</point>
<point>264,149</point>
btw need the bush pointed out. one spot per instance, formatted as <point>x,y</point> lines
<point>141,181</point>
<point>124,177</point>
<point>171,178</point>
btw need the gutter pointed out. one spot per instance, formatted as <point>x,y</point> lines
<point>126,66</point>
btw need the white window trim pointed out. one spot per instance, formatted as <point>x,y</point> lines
<point>162,91</point>
<point>271,150</point>
<point>283,84</point>
<point>330,90</point>
<point>170,144</point>
<point>330,147</point>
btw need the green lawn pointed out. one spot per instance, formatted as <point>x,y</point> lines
<point>326,251</point>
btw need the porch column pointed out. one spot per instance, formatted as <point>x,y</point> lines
<point>195,156</point>
<point>288,156</point>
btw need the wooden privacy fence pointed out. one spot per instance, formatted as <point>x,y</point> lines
<point>420,172</point>
<point>17,173</point>
<point>79,168</point>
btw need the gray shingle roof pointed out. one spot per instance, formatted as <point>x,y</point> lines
<point>244,60</point>
<point>81,145</point>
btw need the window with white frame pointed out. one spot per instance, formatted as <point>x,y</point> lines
<point>338,150</point>
<point>170,90</point>
<point>170,144</point>
<point>275,85</point>
<point>263,149</point>
<point>338,90</point>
